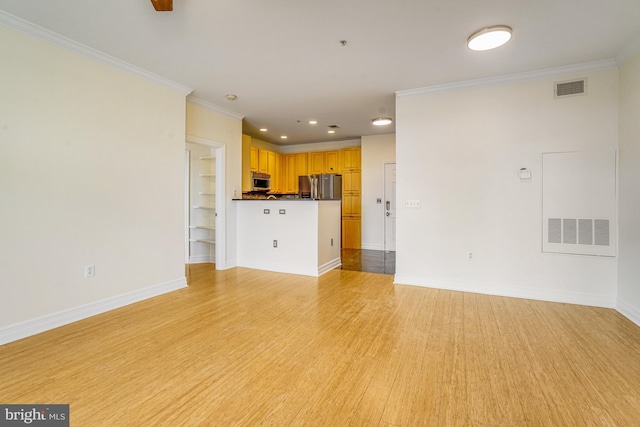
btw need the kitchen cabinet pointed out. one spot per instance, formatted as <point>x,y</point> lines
<point>351,198</point>
<point>263,161</point>
<point>351,232</point>
<point>316,163</point>
<point>254,159</point>
<point>351,205</point>
<point>277,175</point>
<point>301,166</point>
<point>332,162</point>
<point>290,180</point>
<point>350,159</point>
<point>351,181</point>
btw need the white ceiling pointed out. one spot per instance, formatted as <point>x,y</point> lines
<point>283,59</point>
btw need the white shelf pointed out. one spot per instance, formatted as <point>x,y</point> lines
<point>210,241</point>
<point>206,193</point>
<point>208,175</point>
<point>204,207</point>
<point>202,227</point>
<point>207,157</point>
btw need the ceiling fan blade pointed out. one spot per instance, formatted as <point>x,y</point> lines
<point>162,5</point>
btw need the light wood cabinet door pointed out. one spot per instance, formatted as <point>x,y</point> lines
<point>316,163</point>
<point>278,175</point>
<point>332,162</point>
<point>263,161</point>
<point>351,205</point>
<point>350,159</point>
<point>351,182</point>
<point>254,159</point>
<point>351,233</point>
<point>271,163</point>
<point>301,166</point>
<point>290,178</point>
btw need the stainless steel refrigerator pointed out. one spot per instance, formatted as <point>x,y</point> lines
<point>320,187</point>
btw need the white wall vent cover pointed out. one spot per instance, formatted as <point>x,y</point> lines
<point>579,202</point>
<point>572,88</point>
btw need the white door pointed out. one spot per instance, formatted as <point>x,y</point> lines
<point>389,206</point>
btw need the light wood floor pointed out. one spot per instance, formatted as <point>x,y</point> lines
<point>244,347</point>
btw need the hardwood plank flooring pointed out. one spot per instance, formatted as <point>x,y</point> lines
<point>246,347</point>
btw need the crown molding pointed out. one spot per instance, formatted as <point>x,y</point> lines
<point>631,50</point>
<point>511,78</point>
<point>210,106</point>
<point>56,39</point>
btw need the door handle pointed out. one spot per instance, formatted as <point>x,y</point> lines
<point>388,205</point>
<point>388,213</point>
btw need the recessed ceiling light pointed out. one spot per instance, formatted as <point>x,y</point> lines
<point>283,137</point>
<point>263,129</point>
<point>231,97</point>
<point>381,121</point>
<point>313,122</point>
<point>331,131</point>
<point>489,37</point>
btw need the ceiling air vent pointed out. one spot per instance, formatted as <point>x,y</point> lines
<point>572,88</point>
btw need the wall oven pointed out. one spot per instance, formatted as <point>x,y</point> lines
<point>260,182</point>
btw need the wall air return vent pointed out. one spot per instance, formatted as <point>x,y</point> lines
<point>572,88</point>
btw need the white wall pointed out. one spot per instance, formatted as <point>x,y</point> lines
<point>318,146</point>
<point>376,151</point>
<point>629,206</point>
<point>91,172</point>
<point>459,153</point>
<point>206,123</point>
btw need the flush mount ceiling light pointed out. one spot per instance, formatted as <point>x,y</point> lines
<point>263,129</point>
<point>231,97</point>
<point>313,122</point>
<point>489,37</point>
<point>381,121</point>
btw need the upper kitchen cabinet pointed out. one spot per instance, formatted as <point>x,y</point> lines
<point>254,159</point>
<point>316,162</point>
<point>277,175</point>
<point>290,179</point>
<point>302,167</point>
<point>350,159</point>
<point>324,162</point>
<point>332,162</point>
<point>263,161</point>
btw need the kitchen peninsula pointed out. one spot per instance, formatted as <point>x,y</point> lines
<point>297,236</point>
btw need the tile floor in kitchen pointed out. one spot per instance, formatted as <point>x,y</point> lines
<point>370,261</point>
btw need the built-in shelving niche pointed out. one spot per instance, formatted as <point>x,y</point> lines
<point>202,209</point>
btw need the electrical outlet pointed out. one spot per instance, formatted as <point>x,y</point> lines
<point>275,243</point>
<point>469,255</point>
<point>89,270</point>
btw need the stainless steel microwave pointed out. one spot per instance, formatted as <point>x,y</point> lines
<point>260,182</point>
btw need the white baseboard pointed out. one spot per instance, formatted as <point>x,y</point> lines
<point>35,326</point>
<point>628,311</point>
<point>329,266</point>
<point>594,300</point>
<point>200,259</point>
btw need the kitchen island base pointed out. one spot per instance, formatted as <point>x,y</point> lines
<point>289,236</point>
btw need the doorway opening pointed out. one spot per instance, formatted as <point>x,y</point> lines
<point>205,205</point>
